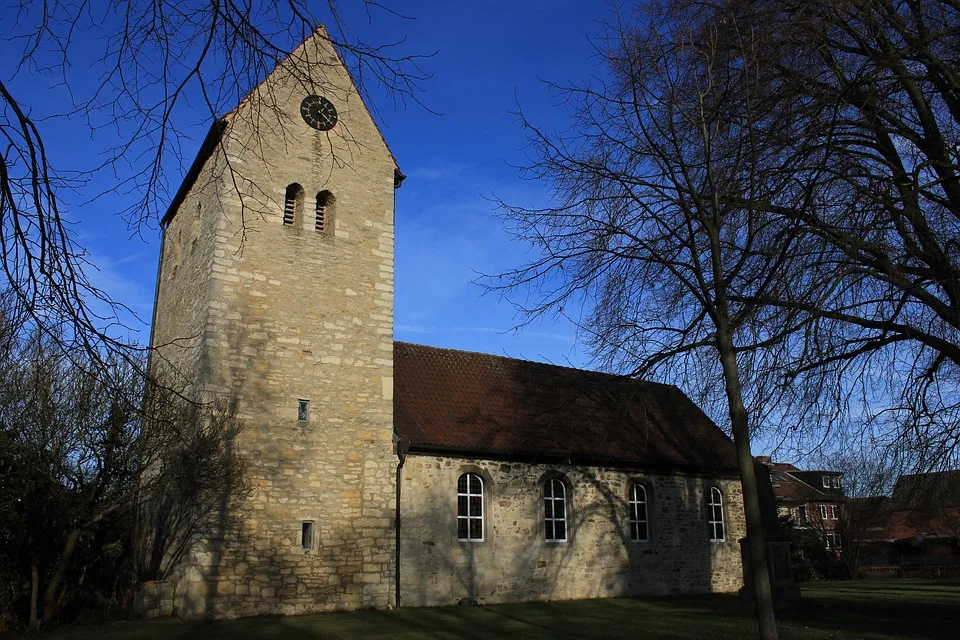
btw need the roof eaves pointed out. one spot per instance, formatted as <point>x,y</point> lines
<point>210,142</point>
<point>579,461</point>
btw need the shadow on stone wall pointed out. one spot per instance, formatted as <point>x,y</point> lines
<point>514,563</point>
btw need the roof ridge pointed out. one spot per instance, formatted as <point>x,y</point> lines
<point>539,363</point>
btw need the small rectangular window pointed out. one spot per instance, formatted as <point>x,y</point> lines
<point>306,535</point>
<point>823,512</point>
<point>802,514</point>
<point>836,482</point>
<point>826,481</point>
<point>302,413</point>
<point>833,512</point>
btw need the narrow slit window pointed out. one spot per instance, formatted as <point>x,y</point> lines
<point>323,222</point>
<point>303,410</point>
<point>639,525</point>
<point>715,516</point>
<point>470,507</point>
<point>555,510</point>
<point>306,535</point>
<point>196,223</point>
<point>292,203</point>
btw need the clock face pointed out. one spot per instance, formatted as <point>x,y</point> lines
<point>318,112</point>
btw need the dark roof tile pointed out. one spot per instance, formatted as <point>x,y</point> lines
<point>459,401</point>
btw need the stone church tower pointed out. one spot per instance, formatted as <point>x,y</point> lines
<point>276,291</point>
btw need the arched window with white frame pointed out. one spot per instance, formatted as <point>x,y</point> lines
<point>470,507</point>
<point>555,510</point>
<point>715,524</point>
<point>639,519</point>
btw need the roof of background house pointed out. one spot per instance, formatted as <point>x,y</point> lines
<point>926,490</point>
<point>792,484</point>
<point>490,406</point>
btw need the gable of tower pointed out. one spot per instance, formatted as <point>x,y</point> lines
<point>267,126</point>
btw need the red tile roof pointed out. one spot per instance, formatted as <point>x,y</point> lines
<point>474,403</point>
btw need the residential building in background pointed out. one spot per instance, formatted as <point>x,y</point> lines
<point>813,499</point>
<point>916,530</point>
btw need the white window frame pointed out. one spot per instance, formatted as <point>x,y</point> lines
<point>832,541</point>
<point>836,482</point>
<point>469,516</point>
<point>638,497</point>
<point>826,481</point>
<point>833,512</point>
<point>715,507</point>
<point>550,533</point>
<point>823,511</point>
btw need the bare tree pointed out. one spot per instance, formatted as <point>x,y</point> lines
<point>869,100</point>
<point>151,60</point>
<point>661,272</point>
<point>85,456</point>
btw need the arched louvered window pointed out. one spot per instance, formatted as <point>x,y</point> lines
<point>470,507</point>
<point>324,214</point>
<point>555,510</point>
<point>639,522</point>
<point>715,524</point>
<point>292,204</point>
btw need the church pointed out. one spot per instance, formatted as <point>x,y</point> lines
<point>384,473</point>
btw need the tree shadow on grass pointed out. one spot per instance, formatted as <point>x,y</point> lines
<point>914,611</point>
<point>840,610</point>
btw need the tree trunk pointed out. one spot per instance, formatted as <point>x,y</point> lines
<point>34,593</point>
<point>52,593</point>
<point>751,499</point>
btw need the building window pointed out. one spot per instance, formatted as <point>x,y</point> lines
<point>303,410</point>
<point>715,515</point>
<point>826,481</point>
<point>470,507</point>
<point>823,512</point>
<point>836,482</point>
<point>292,204</point>
<point>555,510</point>
<point>639,525</point>
<point>306,535</point>
<point>833,512</point>
<point>323,222</point>
<point>802,514</point>
<point>832,541</point>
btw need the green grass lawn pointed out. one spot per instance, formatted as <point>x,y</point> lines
<point>914,609</point>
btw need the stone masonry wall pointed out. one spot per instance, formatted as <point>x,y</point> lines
<point>515,563</point>
<point>287,313</point>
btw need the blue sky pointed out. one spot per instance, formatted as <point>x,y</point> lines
<point>491,58</point>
